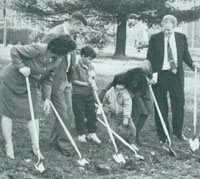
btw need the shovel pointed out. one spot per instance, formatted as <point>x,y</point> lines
<point>118,157</point>
<point>194,142</point>
<point>81,160</point>
<point>39,165</point>
<point>123,141</point>
<point>169,149</point>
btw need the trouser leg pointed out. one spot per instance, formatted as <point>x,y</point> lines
<point>91,114</point>
<point>78,103</point>
<point>58,133</point>
<point>176,93</point>
<point>160,91</point>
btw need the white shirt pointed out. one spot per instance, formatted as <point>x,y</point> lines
<point>172,42</point>
<point>68,55</point>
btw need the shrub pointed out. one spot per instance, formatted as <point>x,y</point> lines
<point>16,35</point>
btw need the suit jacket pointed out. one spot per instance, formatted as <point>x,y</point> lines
<point>155,53</point>
<point>61,79</point>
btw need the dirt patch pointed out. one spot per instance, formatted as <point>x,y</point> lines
<point>156,165</point>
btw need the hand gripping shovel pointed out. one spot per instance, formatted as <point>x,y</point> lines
<point>81,160</point>
<point>194,142</point>
<point>39,165</point>
<point>169,149</point>
<point>118,157</point>
<point>138,156</point>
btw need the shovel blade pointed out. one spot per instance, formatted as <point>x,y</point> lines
<point>119,158</point>
<point>138,156</point>
<point>39,166</point>
<point>194,144</point>
<point>83,162</point>
<point>171,152</point>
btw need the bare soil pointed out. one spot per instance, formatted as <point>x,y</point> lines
<point>156,165</point>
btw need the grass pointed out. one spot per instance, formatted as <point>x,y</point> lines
<point>157,166</point>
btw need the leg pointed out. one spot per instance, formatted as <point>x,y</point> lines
<point>68,99</point>
<point>139,126</point>
<point>91,114</point>
<point>176,93</point>
<point>160,91</point>
<point>78,103</point>
<point>131,130</point>
<point>6,124</point>
<point>58,135</point>
<point>34,140</point>
<point>91,119</point>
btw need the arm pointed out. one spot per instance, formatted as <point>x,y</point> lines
<point>150,57</point>
<point>104,90</point>
<point>127,106</point>
<point>47,85</point>
<point>81,83</point>
<point>186,56</point>
<point>150,52</point>
<point>106,104</point>
<point>21,53</point>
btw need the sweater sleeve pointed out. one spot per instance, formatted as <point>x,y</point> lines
<point>106,104</point>
<point>21,53</point>
<point>47,85</point>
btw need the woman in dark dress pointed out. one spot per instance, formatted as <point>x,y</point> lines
<point>38,62</point>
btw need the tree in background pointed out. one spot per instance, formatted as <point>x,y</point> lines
<point>101,12</point>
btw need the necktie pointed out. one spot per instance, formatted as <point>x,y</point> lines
<point>171,58</point>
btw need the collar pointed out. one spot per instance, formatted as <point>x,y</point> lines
<point>170,37</point>
<point>83,65</point>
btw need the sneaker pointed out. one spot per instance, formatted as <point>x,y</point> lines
<point>94,137</point>
<point>82,138</point>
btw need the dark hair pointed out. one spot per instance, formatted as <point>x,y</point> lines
<point>78,16</point>
<point>118,80</point>
<point>88,51</point>
<point>136,80</point>
<point>61,45</point>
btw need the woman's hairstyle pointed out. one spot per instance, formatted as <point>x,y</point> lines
<point>136,80</point>
<point>118,80</point>
<point>61,45</point>
<point>88,51</point>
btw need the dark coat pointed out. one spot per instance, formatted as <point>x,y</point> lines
<point>155,53</point>
<point>61,78</point>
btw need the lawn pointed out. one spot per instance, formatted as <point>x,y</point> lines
<point>158,166</point>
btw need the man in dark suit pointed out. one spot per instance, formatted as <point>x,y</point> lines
<point>61,88</point>
<point>167,52</point>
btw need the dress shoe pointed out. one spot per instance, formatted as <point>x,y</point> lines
<point>182,137</point>
<point>65,152</point>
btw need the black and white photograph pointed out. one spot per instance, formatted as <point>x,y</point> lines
<point>99,89</point>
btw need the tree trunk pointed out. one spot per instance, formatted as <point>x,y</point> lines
<point>120,47</point>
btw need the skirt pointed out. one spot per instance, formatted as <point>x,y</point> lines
<point>142,105</point>
<point>14,97</point>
